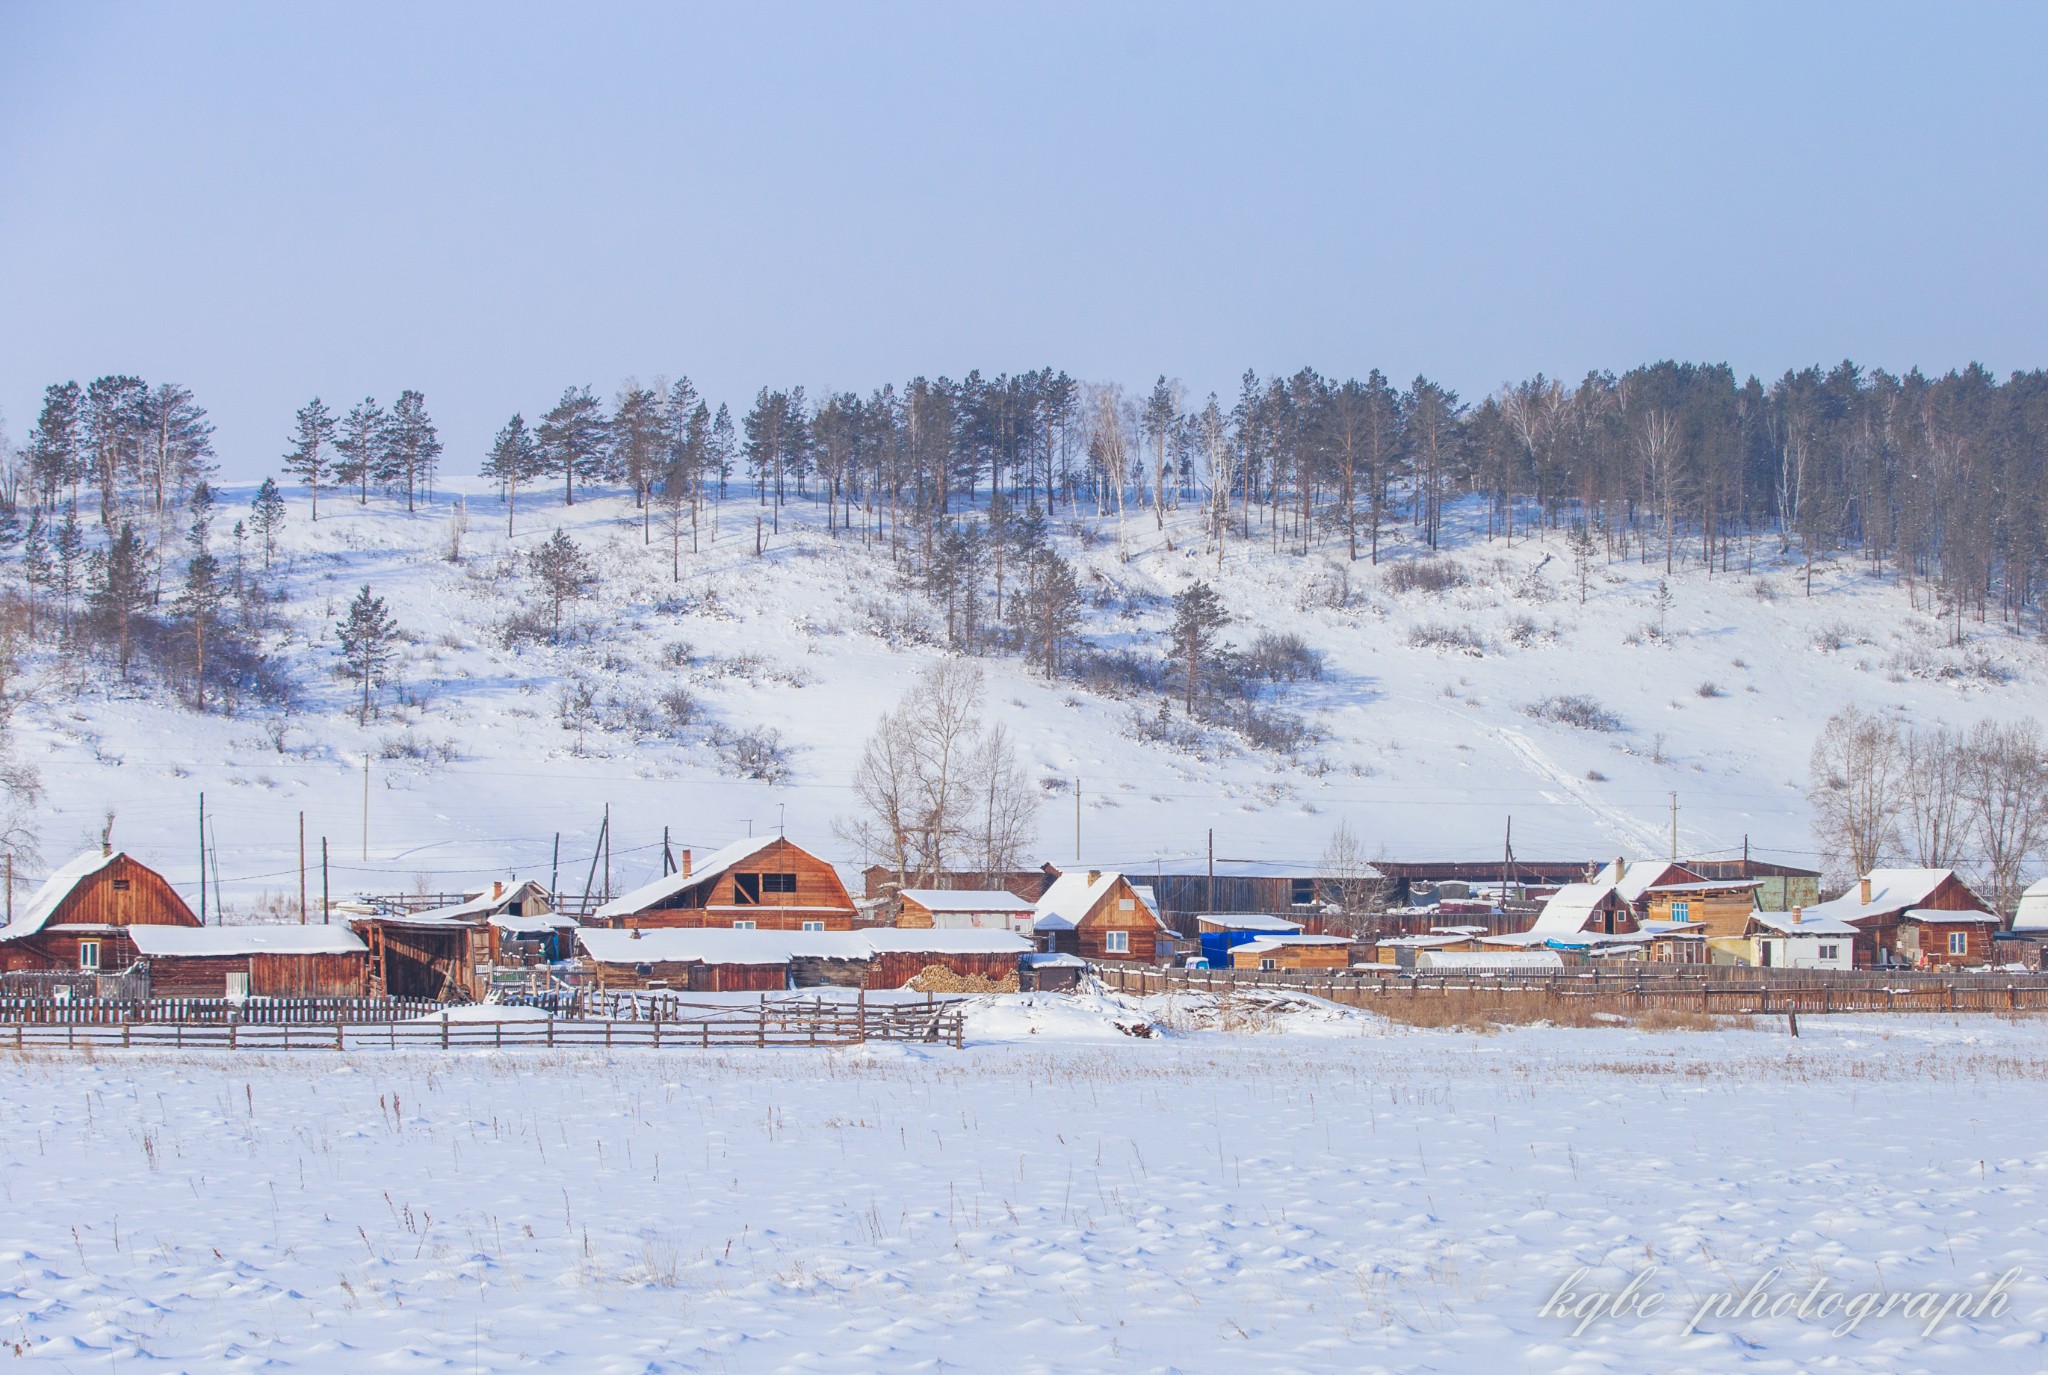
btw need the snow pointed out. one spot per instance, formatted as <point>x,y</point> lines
<point>486,1012</point>
<point>1639,876</point>
<point>717,946</point>
<point>1065,1195</point>
<point>1245,921</point>
<point>667,886</point>
<point>1945,917</point>
<point>47,898</point>
<point>191,942</point>
<point>966,900</point>
<point>2033,909</point>
<point>1489,961</point>
<point>942,941</point>
<point>1567,911</point>
<point>1807,924</point>
<point>1265,945</point>
<point>1891,890</point>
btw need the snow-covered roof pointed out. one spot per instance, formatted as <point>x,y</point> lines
<point>1807,925</point>
<point>1148,897</point>
<point>1420,942</point>
<point>1891,890</point>
<point>1266,944</point>
<point>1572,906</point>
<point>966,900</point>
<point>1074,894</point>
<point>720,946</point>
<point>54,890</point>
<point>1197,866</point>
<point>1638,876</point>
<point>1049,961</point>
<point>2033,909</point>
<point>1673,928</point>
<point>668,885</point>
<point>1246,921</point>
<point>486,903</point>
<point>193,942</point>
<point>1051,921</point>
<point>1931,915</point>
<point>1476,961</point>
<point>1707,886</point>
<point>1457,930</point>
<point>506,921</point>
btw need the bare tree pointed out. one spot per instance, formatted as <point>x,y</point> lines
<point>1934,821</point>
<point>1855,788</point>
<point>1359,889</point>
<point>2005,786</point>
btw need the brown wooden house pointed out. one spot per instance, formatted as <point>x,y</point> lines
<point>253,961</point>
<point>1098,915</point>
<point>80,918</point>
<point>706,960</point>
<point>1930,938</point>
<point>1292,952</point>
<point>1723,906</point>
<point>1877,902</point>
<point>765,883</point>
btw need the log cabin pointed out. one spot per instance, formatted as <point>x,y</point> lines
<point>1875,904</point>
<point>253,961</point>
<point>1098,915</point>
<point>764,883</point>
<point>1930,938</point>
<point>1600,907</point>
<point>1293,952</point>
<point>964,909</point>
<point>80,918</point>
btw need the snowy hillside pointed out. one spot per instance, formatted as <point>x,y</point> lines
<point>1423,735</point>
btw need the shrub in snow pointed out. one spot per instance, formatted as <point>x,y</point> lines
<point>757,753</point>
<point>1284,657</point>
<point>1422,575</point>
<point>1448,638</point>
<point>1576,710</point>
<point>1710,689</point>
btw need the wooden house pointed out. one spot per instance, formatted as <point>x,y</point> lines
<point>1599,907</point>
<point>1722,906</point>
<point>1219,932</point>
<point>1793,940</point>
<point>1098,915</point>
<point>81,916</point>
<point>764,883</point>
<point>1634,878</point>
<point>882,881</point>
<point>1933,938</point>
<point>707,960</point>
<point>1042,973</point>
<point>1780,887</point>
<point>1293,952</point>
<point>1880,899</point>
<point>964,909</point>
<point>418,955</point>
<point>522,913</point>
<point>253,961</point>
<point>1191,887</point>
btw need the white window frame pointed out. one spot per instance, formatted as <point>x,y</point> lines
<point>1830,952</point>
<point>1958,942</point>
<point>1268,962</point>
<point>814,926</point>
<point>1116,943</point>
<point>89,956</point>
<point>744,925</point>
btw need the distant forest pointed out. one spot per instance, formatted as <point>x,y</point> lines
<point>109,518</point>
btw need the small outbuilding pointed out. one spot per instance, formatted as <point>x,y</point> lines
<point>965,909</point>
<point>1933,938</point>
<point>1797,940</point>
<point>426,956</point>
<point>253,961</point>
<point>1293,952</point>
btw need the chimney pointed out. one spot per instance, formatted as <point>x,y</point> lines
<point>636,933</point>
<point>686,864</point>
<point>1094,875</point>
<point>1798,915</point>
<point>497,889</point>
<point>1865,891</point>
<point>1620,868</point>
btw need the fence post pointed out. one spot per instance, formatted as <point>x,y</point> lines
<point>444,1031</point>
<point>761,1022</point>
<point>861,1010</point>
<point>551,1032</point>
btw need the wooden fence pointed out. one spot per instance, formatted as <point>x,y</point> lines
<point>680,1025</point>
<point>250,1012</point>
<point>1698,988</point>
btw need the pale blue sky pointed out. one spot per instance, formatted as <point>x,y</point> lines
<point>490,202</point>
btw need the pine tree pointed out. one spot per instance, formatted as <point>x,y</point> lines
<point>409,447</point>
<point>69,545</point>
<point>1046,613</point>
<point>514,458</point>
<point>307,459</point>
<point>199,602</point>
<point>368,637</point>
<point>571,439</point>
<point>266,516</point>
<point>37,568</point>
<point>564,572</point>
<point>1197,615</point>
<point>119,590</point>
<point>177,441</point>
<point>359,443</point>
<point>56,445</point>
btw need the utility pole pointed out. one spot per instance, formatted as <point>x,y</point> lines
<point>202,859</point>
<point>326,903</point>
<point>366,806</point>
<point>555,874</point>
<point>302,868</point>
<point>668,859</point>
<point>1077,821</point>
<point>1210,900</point>
<point>1674,828</point>
<point>607,852</point>
<point>10,887</point>
<point>1507,862</point>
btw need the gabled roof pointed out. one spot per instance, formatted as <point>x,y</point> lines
<point>713,865</point>
<point>1073,895</point>
<point>1246,921</point>
<point>2033,910</point>
<point>484,904</point>
<point>57,887</point>
<point>1935,916</point>
<point>1266,944</point>
<point>1891,890</point>
<point>1729,885</point>
<point>966,900</point>
<point>1569,909</point>
<point>193,942</point>
<point>1505,960</point>
<point>1638,876</point>
<point>1807,925</point>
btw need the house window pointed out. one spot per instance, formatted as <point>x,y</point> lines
<point>814,926</point>
<point>746,889</point>
<point>89,955</point>
<point>121,885</point>
<point>778,883</point>
<point>1117,943</point>
<point>237,988</point>
<point>1302,892</point>
<point>1268,962</point>
<point>743,926</point>
<point>1830,952</point>
<point>1681,911</point>
<point>1958,942</point>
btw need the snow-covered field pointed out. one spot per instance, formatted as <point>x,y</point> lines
<point>1059,1196</point>
<point>1426,746</point>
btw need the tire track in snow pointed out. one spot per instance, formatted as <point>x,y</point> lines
<point>1619,823</point>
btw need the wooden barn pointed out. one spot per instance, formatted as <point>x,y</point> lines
<point>1189,888</point>
<point>1599,907</point>
<point>1293,952</point>
<point>1634,878</point>
<point>424,956</point>
<point>1722,906</point>
<point>691,959</point>
<point>1098,915</point>
<point>765,883</point>
<point>81,916</point>
<point>1930,938</point>
<point>1879,900</point>
<point>253,961</point>
<point>964,909</point>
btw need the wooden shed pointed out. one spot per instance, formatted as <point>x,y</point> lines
<point>1931,938</point>
<point>1098,915</point>
<point>900,956</point>
<point>253,961</point>
<point>964,909</point>
<point>690,959</point>
<point>764,883</point>
<point>1293,952</point>
<point>424,956</point>
<point>81,916</point>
